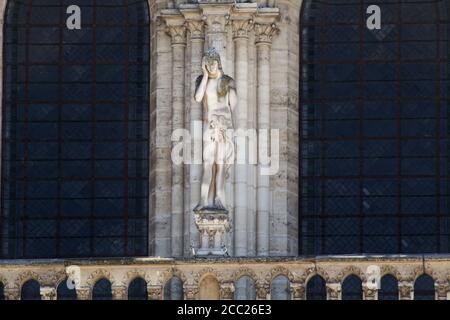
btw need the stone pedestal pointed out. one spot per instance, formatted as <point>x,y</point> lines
<point>213,226</point>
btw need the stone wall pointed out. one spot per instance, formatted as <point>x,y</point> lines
<point>157,272</point>
<point>259,45</point>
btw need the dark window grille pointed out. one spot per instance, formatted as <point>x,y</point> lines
<point>389,288</point>
<point>75,130</point>
<point>102,290</point>
<point>63,292</point>
<point>352,288</point>
<point>31,290</point>
<point>424,288</point>
<point>374,129</point>
<point>2,291</point>
<point>316,289</point>
<point>137,290</point>
<point>173,289</point>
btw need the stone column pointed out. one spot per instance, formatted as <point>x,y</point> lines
<point>177,32</point>
<point>190,292</point>
<point>83,293</point>
<point>441,290</point>
<point>264,34</point>
<point>227,291</point>
<point>197,37</point>
<point>12,294</point>
<point>299,291</point>
<point>160,206</point>
<point>333,291</point>
<point>406,290</point>
<point>262,291</point>
<point>154,292</point>
<point>241,27</point>
<point>370,293</point>
<point>48,293</point>
<point>216,16</point>
<point>119,293</point>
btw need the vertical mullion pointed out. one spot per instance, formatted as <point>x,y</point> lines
<point>438,130</point>
<point>399,196</point>
<point>360,107</point>
<point>26,135</point>
<point>60,124</point>
<point>93,125</point>
<point>127,110</point>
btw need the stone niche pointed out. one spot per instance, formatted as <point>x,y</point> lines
<point>254,40</point>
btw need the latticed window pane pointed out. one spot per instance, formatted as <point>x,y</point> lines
<point>352,288</point>
<point>102,290</point>
<point>137,290</point>
<point>389,288</point>
<point>424,288</point>
<point>75,130</point>
<point>316,289</point>
<point>374,130</point>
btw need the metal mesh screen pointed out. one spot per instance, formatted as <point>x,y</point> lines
<point>75,130</point>
<point>374,130</point>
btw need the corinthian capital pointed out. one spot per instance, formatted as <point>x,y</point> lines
<point>196,29</point>
<point>265,32</point>
<point>177,33</point>
<point>242,27</point>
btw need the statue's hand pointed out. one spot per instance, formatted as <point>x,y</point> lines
<point>204,69</point>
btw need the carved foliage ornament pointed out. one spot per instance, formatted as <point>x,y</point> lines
<point>242,27</point>
<point>178,34</point>
<point>266,32</point>
<point>99,274</point>
<point>196,29</point>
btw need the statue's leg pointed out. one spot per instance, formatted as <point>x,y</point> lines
<point>208,185</point>
<point>220,186</point>
<point>221,174</point>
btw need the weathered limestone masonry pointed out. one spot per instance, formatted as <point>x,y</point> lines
<point>258,44</point>
<point>158,271</point>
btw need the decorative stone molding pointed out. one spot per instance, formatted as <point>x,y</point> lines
<point>177,34</point>
<point>131,275</point>
<point>279,271</point>
<point>48,293</point>
<point>405,290</point>
<point>84,293</point>
<point>333,291</point>
<point>442,289</point>
<point>119,293</point>
<point>313,271</point>
<point>154,292</point>
<point>390,270</point>
<point>227,291</point>
<point>262,290</point>
<point>265,33</point>
<point>216,23</point>
<point>242,272</point>
<point>369,293</point>
<point>99,274</point>
<point>170,273</point>
<point>349,271</point>
<point>12,294</point>
<point>25,276</point>
<point>190,292</point>
<point>299,291</point>
<point>241,28</point>
<point>198,277</point>
<point>196,28</point>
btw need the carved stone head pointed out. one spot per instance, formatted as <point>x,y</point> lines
<point>212,61</point>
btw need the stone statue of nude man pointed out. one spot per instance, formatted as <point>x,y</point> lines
<point>217,93</point>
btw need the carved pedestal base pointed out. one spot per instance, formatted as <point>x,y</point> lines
<point>213,226</point>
